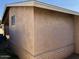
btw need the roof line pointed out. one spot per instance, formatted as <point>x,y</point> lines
<point>43,5</point>
<point>18,2</point>
<point>47,4</point>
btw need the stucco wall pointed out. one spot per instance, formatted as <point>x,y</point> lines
<point>22,32</point>
<point>76,38</point>
<point>53,34</point>
<point>40,33</point>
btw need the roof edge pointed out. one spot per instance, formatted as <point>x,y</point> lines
<point>55,8</point>
<point>41,5</point>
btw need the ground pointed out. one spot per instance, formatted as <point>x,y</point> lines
<point>73,56</point>
<point>6,52</point>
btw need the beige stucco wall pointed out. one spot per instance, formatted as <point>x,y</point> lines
<point>76,38</point>
<point>22,32</point>
<point>41,34</point>
<point>53,33</point>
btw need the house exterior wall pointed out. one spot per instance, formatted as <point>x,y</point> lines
<point>22,32</point>
<point>76,28</point>
<point>40,33</point>
<point>53,34</point>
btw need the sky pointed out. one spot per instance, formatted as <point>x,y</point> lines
<point>68,4</point>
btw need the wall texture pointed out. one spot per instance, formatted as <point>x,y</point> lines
<point>41,34</point>
<point>22,32</point>
<point>53,34</point>
<point>76,28</point>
